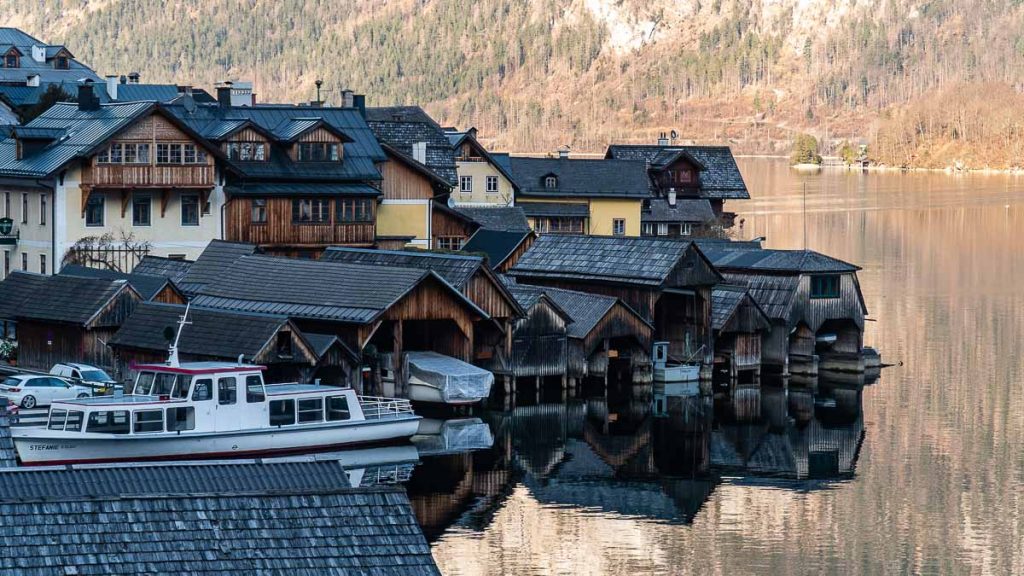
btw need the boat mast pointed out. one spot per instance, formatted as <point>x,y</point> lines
<point>172,359</point>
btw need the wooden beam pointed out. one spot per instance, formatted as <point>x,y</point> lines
<point>165,196</point>
<point>86,192</point>
<point>126,195</point>
<point>398,363</point>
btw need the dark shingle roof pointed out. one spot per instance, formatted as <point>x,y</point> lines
<point>720,178</point>
<point>147,286</point>
<point>585,310</point>
<point>548,209</point>
<point>633,260</point>
<point>289,516</point>
<point>15,289</point>
<point>213,333</point>
<point>70,299</point>
<point>302,189</point>
<point>504,218</point>
<point>686,210</point>
<point>172,268</point>
<point>455,269</point>
<point>496,244</point>
<point>725,300</point>
<point>8,455</point>
<point>403,126</point>
<point>774,294</point>
<point>581,178</point>
<point>216,258</point>
<point>28,66</point>
<point>786,261</point>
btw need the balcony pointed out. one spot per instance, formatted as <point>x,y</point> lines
<point>149,176</point>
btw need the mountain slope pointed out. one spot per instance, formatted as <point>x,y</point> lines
<point>536,74</point>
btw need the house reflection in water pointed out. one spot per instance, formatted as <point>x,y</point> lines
<point>648,453</point>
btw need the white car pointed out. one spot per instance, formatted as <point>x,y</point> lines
<point>87,375</point>
<point>30,391</point>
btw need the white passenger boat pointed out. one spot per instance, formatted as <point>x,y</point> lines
<point>211,410</point>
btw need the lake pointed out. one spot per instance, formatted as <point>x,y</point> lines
<point>919,471</point>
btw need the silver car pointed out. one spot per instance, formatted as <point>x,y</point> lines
<point>29,391</point>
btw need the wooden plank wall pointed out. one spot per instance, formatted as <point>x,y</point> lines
<point>402,183</point>
<point>539,344</point>
<point>280,230</point>
<point>516,254</point>
<point>483,291</point>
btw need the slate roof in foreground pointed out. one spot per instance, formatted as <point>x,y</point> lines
<point>693,210</point>
<point>171,268</point>
<point>15,289</point>
<point>249,517</point>
<point>216,258</point>
<point>455,269</point>
<point>781,261</point>
<point>66,299</point>
<point>146,285</point>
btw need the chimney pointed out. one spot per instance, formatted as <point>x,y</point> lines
<point>133,77</point>
<point>359,103</point>
<point>563,152</point>
<point>419,152</point>
<point>33,80</point>
<point>662,139</point>
<point>672,197</point>
<point>39,53</point>
<point>87,100</point>
<point>224,95</point>
<point>123,79</point>
<point>347,98</point>
<point>242,94</point>
<point>112,86</point>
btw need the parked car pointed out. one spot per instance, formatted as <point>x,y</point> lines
<point>31,391</point>
<point>87,375</point>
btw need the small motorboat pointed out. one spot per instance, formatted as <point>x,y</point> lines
<point>440,379</point>
<point>666,372</point>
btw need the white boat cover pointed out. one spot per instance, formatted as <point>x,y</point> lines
<point>460,435</point>
<point>455,379</point>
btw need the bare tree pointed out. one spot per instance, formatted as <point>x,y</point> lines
<point>108,252</point>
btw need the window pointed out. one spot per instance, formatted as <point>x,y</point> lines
<point>560,225</point>
<point>181,385</point>
<point>355,210</point>
<point>62,63</point>
<point>42,209</point>
<point>824,286</point>
<point>7,204</point>
<point>175,155</point>
<point>141,207</point>
<point>124,153</point>
<point>189,153</point>
<point>311,410</point>
<point>466,184</point>
<point>179,153</point>
<point>7,263</point>
<point>317,152</point>
<point>163,153</point>
<point>149,421</point>
<point>95,210</point>
<point>24,208</point>
<point>618,227</point>
<point>11,60</point>
<point>284,344</point>
<point>190,210</point>
<point>550,182</point>
<point>163,384</point>
<point>254,389</point>
<point>247,151</point>
<point>682,176</point>
<point>686,229</point>
<point>310,210</point>
<point>42,263</point>
<point>203,390</point>
<point>259,211</point>
<point>109,422</point>
<point>282,412</point>
<point>57,418</point>
<point>662,228</point>
<point>647,229</point>
<point>181,419</point>
<point>227,391</point>
<point>24,261</point>
<point>337,408</point>
<point>144,382</point>
<point>492,184</point>
<point>74,423</point>
<point>449,243</point>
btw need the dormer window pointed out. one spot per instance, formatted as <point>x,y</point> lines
<point>62,63</point>
<point>247,151</point>
<point>318,152</point>
<point>551,182</point>
<point>11,60</point>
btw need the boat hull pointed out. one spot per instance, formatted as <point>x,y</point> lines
<point>431,394</point>
<point>683,373</point>
<point>41,447</point>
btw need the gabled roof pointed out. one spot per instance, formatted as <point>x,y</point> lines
<point>498,245</point>
<point>402,126</point>
<point>720,177</point>
<point>216,257</point>
<point>581,177</point>
<point>405,159</point>
<point>774,294</point>
<point>147,286</point>
<point>459,138</point>
<point>15,289</point>
<point>23,43</point>
<point>692,210</point>
<point>503,218</point>
<point>314,289</point>
<point>70,299</point>
<point>643,261</point>
<point>726,300</point>
<point>174,269</point>
<point>583,309</point>
<point>210,333</point>
<point>292,129</point>
<point>456,269</point>
<point>781,261</point>
<point>295,515</point>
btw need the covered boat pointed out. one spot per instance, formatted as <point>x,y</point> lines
<point>442,379</point>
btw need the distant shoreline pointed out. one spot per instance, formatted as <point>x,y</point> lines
<point>886,168</point>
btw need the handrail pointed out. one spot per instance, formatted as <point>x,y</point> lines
<point>375,407</point>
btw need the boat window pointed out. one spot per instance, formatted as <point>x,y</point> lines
<point>57,418</point>
<point>181,384</point>
<point>254,389</point>
<point>203,390</point>
<point>282,412</point>
<point>337,408</point>
<point>163,384</point>
<point>149,421</point>
<point>74,421</point>
<point>311,410</point>
<point>108,422</point>
<point>179,419</point>
<point>144,383</point>
<point>227,391</point>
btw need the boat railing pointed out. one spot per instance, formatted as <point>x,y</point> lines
<point>376,407</point>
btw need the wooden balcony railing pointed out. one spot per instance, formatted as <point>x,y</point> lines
<point>149,176</point>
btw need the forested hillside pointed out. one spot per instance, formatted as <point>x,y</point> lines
<point>536,74</point>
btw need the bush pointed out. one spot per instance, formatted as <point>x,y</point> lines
<point>805,150</point>
<point>8,350</point>
<point>848,153</point>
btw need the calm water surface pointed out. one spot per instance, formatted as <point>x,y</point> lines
<point>920,471</point>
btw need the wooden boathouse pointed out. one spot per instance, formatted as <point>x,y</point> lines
<point>668,282</point>
<point>739,325</point>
